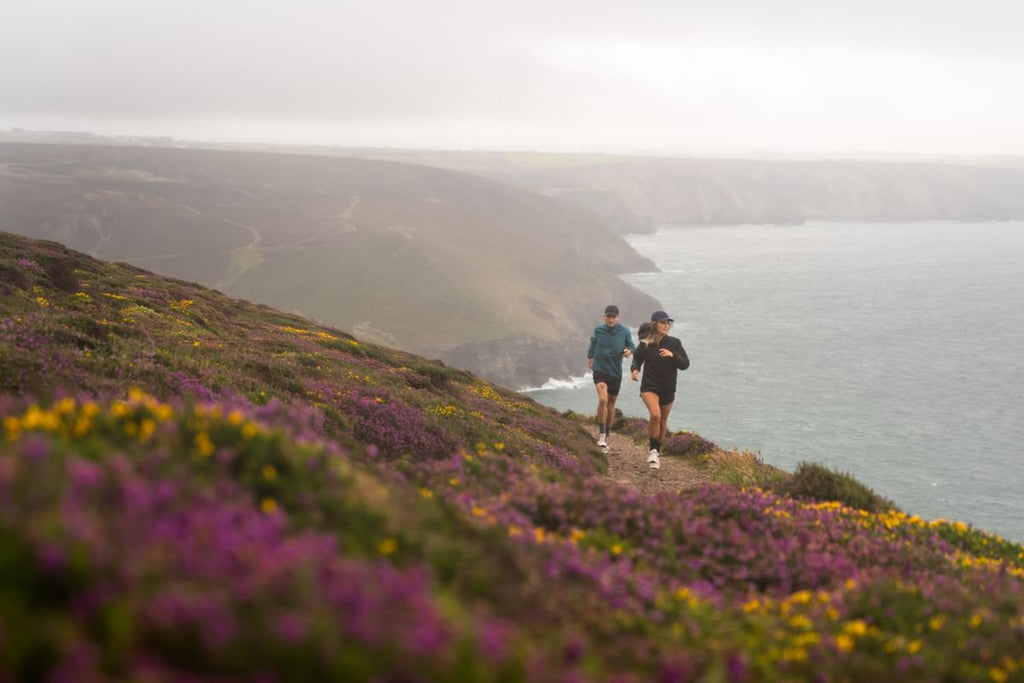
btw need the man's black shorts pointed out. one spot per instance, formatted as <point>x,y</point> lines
<point>614,383</point>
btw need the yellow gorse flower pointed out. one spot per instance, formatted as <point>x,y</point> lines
<point>844,643</point>
<point>801,622</point>
<point>856,627</point>
<point>146,429</point>
<point>12,428</point>
<point>448,411</point>
<point>204,445</point>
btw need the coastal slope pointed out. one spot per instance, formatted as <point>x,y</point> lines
<point>198,487</point>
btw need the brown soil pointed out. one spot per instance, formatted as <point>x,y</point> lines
<point>627,464</point>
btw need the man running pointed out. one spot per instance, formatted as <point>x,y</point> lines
<point>609,344</point>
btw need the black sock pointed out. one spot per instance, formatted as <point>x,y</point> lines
<point>600,428</point>
<point>655,444</point>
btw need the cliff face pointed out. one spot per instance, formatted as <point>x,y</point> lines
<point>608,205</point>
<point>520,362</point>
<point>709,192</point>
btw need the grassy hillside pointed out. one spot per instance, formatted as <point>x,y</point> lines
<point>427,260</point>
<point>199,488</point>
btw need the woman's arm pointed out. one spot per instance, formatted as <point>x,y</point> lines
<point>679,354</point>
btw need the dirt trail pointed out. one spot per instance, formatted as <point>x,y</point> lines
<point>627,464</point>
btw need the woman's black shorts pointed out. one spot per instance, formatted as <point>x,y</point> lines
<point>666,395</point>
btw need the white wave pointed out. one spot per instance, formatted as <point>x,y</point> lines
<point>553,384</point>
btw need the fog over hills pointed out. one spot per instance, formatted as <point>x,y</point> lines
<point>633,194</point>
<point>498,280</point>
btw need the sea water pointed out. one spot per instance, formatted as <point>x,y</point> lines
<point>894,352</point>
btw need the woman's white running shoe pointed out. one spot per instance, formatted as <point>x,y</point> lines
<point>652,459</point>
<point>602,441</point>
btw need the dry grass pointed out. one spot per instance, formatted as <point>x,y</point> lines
<point>741,468</point>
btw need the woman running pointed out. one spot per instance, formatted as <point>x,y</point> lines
<point>661,357</point>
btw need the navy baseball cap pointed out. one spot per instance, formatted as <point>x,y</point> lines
<point>658,316</point>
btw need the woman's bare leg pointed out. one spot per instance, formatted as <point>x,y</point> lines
<point>650,400</point>
<point>665,410</point>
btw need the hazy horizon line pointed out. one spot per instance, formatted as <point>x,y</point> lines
<point>695,153</point>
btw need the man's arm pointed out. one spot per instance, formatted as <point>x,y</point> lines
<point>629,343</point>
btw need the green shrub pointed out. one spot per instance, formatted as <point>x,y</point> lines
<point>427,374</point>
<point>61,271</point>
<point>14,277</point>
<point>817,482</point>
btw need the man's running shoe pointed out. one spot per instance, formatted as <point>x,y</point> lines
<point>602,440</point>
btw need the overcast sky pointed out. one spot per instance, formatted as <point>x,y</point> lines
<point>935,77</point>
